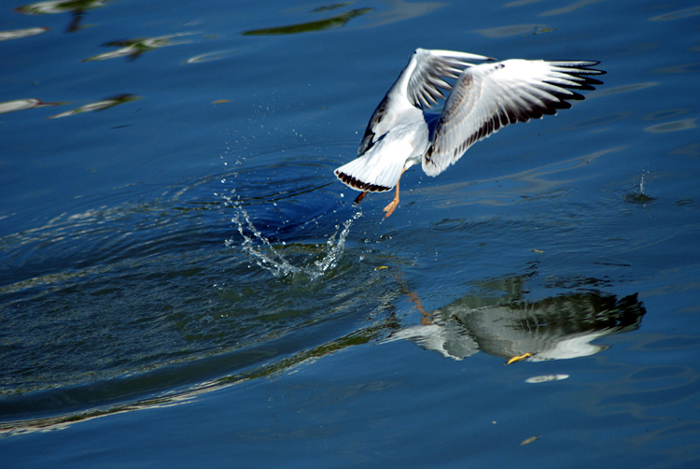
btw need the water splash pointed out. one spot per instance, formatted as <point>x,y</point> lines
<point>273,257</point>
<point>640,197</point>
<point>269,257</point>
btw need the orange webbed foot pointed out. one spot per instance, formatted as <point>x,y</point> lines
<point>389,209</point>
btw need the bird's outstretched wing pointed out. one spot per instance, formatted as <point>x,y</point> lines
<point>427,71</point>
<point>419,85</point>
<point>487,97</point>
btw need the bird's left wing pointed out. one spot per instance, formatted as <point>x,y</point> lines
<point>490,96</point>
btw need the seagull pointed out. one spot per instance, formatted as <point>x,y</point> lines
<point>484,98</point>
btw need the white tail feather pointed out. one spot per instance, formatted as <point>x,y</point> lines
<point>373,172</point>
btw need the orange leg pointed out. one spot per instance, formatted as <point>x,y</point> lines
<point>389,209</point>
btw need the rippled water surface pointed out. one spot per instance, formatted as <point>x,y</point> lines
<point>184,282</point>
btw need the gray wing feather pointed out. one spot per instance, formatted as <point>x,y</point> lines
<point>490,96</point>
<point>431,67</point>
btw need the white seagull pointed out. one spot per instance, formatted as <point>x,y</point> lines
<point>484,98</point>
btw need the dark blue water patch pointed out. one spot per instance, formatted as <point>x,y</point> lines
<point>676,343</point>
<point>299,410</point>
<point>668,395</point>
<point>180,381</point>
<point>158,322</point>
<point>71,277</point>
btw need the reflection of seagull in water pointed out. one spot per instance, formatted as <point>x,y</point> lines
<point>511,327</point>
<point>484,98</point>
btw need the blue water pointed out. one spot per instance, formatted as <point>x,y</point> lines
<point>184,282</point>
